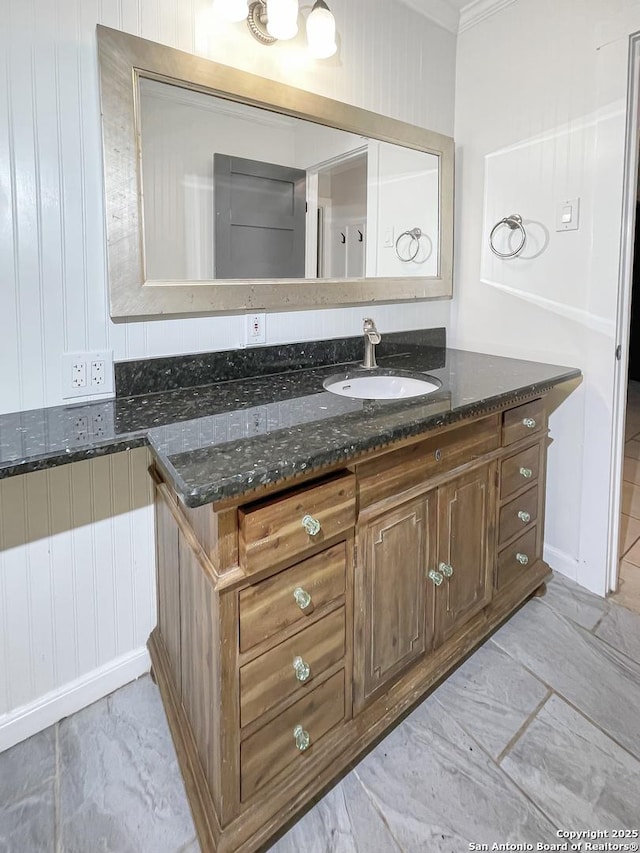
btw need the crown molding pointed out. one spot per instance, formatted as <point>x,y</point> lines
<point>476,11</point>
<point>438,11</point>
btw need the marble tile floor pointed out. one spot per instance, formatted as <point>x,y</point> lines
<point>538,731</point>
<point>628,592</point>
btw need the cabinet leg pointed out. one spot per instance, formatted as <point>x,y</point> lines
<point>153,676</point>
<point>541,591</point>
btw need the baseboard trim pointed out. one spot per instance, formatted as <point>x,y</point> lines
<point>561,562</point>
<point>30,719</point>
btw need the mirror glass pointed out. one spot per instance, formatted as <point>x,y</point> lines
<point>232,191</point>
<point>228,192</point>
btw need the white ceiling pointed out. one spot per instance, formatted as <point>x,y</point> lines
<point>456,15</point>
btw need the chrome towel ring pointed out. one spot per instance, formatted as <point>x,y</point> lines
<point>514,221</point>
<point>415,234</point>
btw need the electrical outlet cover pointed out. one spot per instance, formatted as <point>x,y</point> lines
<point>87,374</point>
<point>255,329</point>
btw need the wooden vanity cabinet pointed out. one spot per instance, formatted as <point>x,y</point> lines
<point>425,568</point>
<point>395,612</point>
<point>466,549</point>
<point>295,629</point>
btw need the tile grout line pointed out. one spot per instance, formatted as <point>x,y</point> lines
<point>635,541</point>
<point>573,622</point>
<point>525,725</point>
<point>571,703</point>
<point>538,808</point>
<point>586,717</point>
<point>597,625</point>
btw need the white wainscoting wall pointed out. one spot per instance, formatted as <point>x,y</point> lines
<point>551,128</point>
<point>76,543</point>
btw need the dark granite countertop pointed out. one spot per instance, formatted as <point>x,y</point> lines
<point>224,439</point>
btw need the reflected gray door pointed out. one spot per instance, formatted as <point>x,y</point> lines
<point>259,219</point>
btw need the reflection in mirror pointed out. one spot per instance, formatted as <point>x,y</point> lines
<point>184,236</point>
<point>232,191</point>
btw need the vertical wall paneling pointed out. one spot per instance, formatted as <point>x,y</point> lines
<point>77,586</point>
<point>16,637</point>
<point>555,134</point>
<point>391,60</point>
<point>76,576</point>
<point>65,626</point>
<point>84,572</point>
<point>10,347</point>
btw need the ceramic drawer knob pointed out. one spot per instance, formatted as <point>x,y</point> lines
<point>524,516</point>
<point>302,597</point>
<point>301,669</point>
<point>303,741</point>
<point>311,525</point>
<point>436,577</point>
<point>522,559</point>
<point>529,423</point>
<point>446,569</point>
<point>527,473</point>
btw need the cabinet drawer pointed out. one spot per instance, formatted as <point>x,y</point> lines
<point>519,471</point>
<point>517,557</point>
<point>273,532</point>
<point>518,514</point>
<point>272,677</point>
<point>523,421</point>
<point>400,470</point>
<point>273,748</point>
<point>270,606</point>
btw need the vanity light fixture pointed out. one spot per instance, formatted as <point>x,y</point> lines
<point>321,31</point>
<point>277,20</point>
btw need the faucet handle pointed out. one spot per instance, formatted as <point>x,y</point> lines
<point>369,329</point>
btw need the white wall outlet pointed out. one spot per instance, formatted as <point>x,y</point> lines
<point>78,374</point>
<point>97,373</point>
<point>85,374</point>
<point>387,237</point>
<point>255,329</point>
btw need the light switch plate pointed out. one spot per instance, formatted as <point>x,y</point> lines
<point>568,215</point>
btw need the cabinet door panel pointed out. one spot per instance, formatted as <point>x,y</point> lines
<point>466,509</point>
<point>397,605</point>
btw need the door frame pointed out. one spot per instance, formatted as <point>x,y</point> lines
<point>623,314</point>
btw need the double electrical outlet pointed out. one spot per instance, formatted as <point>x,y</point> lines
<point>86,374</point>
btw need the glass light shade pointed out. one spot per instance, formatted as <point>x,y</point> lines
<point>231,10</point>
<point>321,32</point>
<point>282,18</point>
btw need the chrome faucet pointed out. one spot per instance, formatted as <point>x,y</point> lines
<point>371,338</point>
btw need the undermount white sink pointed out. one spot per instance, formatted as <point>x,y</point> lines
<point>395,386</point>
